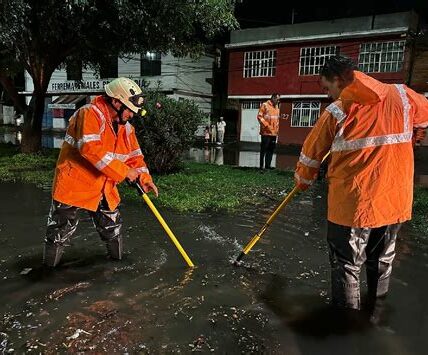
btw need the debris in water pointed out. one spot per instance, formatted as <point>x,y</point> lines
<point>26,271</point>
<point>56,295</point>
<point>306,234</point>
<point>199,343</point>
<point>77,333</point>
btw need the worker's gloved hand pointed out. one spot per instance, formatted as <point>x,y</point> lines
<point>150,186</point>
<point>301,186</point>
<point>132,174</point>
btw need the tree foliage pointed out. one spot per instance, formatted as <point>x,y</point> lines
<point>167,131</point>
<point>41,35</point>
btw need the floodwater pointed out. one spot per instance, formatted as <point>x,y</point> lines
<point>243,155</point>
<point>150,302</point>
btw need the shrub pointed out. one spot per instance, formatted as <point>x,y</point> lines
<point>167,131</point>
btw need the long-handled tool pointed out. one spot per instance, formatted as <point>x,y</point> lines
<point>258,235</point>
<point>168,231</point>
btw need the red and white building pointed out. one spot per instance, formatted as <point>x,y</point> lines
<point>286,59</point>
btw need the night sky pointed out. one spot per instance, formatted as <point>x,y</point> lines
<point>257,13</point>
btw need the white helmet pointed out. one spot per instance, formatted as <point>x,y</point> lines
<point>127,92</point>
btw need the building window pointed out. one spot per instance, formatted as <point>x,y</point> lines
<point>381,57</point>
<point>109,68</point>
<point>305,113</point>
<point>313,58</point>
<point>259,63</point>
<point>74,70</point>
<point>150,64</point>
<point>251,105</point>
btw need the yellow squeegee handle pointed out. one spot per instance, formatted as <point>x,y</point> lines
<point>168,231</point>
<point>258,235</point>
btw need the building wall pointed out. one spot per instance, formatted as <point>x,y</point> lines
<point>287,80</point>
<point>195,74</point>
<point>294,135</point>
<point>184,77</point>
<point>419,77</point>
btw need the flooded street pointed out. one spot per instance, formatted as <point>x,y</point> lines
<point>151,302</point>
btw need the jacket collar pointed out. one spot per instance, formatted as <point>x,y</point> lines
<point>364,90</point>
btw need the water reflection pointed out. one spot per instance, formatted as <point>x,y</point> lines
<point>49,139</point>
<point>239,157</point>
<point>11,137</point>
<point>52,141</point>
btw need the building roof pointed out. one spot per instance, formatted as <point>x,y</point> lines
<point>365,26</point>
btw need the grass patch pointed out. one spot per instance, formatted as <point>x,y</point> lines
<point>200,187</point>
<point>31,168</point>
<point>420,209</point>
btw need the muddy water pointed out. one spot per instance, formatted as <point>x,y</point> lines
<point>150,302</point>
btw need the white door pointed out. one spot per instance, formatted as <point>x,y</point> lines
<point>249,125</point>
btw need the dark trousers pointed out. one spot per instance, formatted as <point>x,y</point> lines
<point>62,223</point>
<point>267,148</point>
<point>349,249</point>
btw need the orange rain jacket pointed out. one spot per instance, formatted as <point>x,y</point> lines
<point>94,159</point>
<point>268,117</point>
<point>369,133</point>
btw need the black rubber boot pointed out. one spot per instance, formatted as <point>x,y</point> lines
<point>52,254</point>
<point>115,248</point>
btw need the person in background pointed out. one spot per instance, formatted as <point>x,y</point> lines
<point>207,134</point>
<point>221,128</point>
<point>268,117</point>
<point>213,127</point>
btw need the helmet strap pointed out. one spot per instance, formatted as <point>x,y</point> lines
<point>118,111</point>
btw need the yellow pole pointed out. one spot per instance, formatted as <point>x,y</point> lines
<point>168,230</point>
<point>258,235</point>
<point>162,222</point>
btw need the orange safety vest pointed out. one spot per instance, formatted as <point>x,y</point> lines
<point>368,131</point>
<point>268,117</point>
<point>94,159</point>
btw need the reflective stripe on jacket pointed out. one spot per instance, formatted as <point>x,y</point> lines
<point>369,133</point>
<point>268,117</point>
<point>94,159</point>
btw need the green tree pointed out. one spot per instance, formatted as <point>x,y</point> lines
<point>42,35</point>
<point>167,131</point>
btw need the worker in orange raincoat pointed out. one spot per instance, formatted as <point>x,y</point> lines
<point>268,117</point>
<point>100,151</point>
<point>368,130</point>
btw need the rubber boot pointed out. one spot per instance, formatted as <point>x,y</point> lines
<point>52,254</point>
<point>115,247</point>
